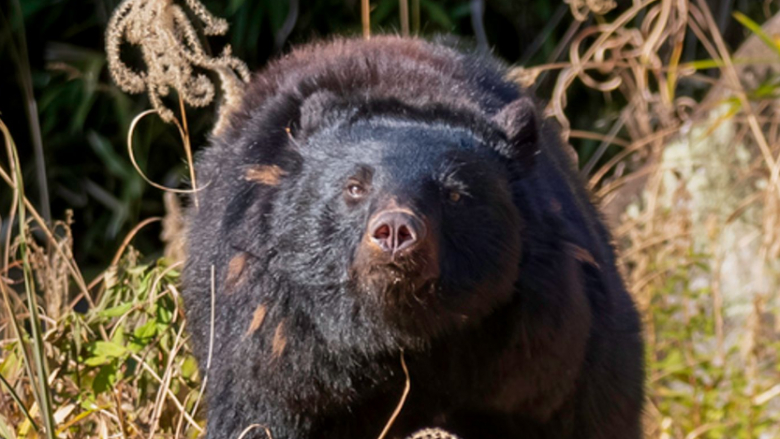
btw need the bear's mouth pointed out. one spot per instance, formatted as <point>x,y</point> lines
<point>410,305</point>
<point>405,281</point>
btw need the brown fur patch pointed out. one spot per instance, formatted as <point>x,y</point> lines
<point>279,341</point>
<point>235,271</point>
<point>269,175</point>
<point>257,320</point>
<point>581,255</point>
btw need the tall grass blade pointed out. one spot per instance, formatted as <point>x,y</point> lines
<point>757,30</point>
<point>24,74</point>
<point>37,336</point>
<point>18,401</point>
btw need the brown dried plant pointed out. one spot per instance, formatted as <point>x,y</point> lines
<point>580,8</point>
<point>171,51</point>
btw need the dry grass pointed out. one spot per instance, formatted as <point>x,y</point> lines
<point>692,193</point>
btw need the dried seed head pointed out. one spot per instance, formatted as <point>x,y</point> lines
<point>171,48</point>
<point>580,8</point>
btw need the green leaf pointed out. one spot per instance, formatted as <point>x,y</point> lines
<point>116,311</point>
<point>189,367</point>
<point>164,315</point>
<point>767,89</point>
<point>119,335</point>
<point>142,336</point>
<point>11,363</point>
<point>108,349</point>
<point>105,378</point>
<point>148,330</point>
<point>756,29</point>
<point>96,361</point>
<point>672,361</point>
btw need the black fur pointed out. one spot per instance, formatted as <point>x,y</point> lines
<point>526,332</point>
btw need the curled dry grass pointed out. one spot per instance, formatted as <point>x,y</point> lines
<point>123,368</point>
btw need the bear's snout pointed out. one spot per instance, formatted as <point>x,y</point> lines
<point>399,248</point>
<point>396,231</point>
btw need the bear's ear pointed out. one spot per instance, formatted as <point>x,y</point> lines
<point>318,111</point>
<point>519,120</point>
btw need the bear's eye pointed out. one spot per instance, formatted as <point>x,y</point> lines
<point>454,196</point>
<point>355,191</point>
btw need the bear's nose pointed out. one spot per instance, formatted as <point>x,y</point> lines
<point>396,231</point>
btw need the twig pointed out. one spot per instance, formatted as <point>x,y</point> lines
<point>403,12</point>
<point>365,16</point>
<point>168,392</point>
<point>401,403</point>
<point>211,345</point>
<point>138,169</point>
<point>253,427</point>
<point>188,150</point>
<point>166,381</point>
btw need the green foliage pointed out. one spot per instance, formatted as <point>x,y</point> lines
<point>114,357</point>
<point>695,383</point>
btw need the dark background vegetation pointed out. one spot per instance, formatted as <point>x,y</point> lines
<point>53,52</point>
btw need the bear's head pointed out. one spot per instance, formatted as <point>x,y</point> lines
<point>395,223</point>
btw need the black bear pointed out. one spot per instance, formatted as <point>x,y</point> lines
<point>389,199</point>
